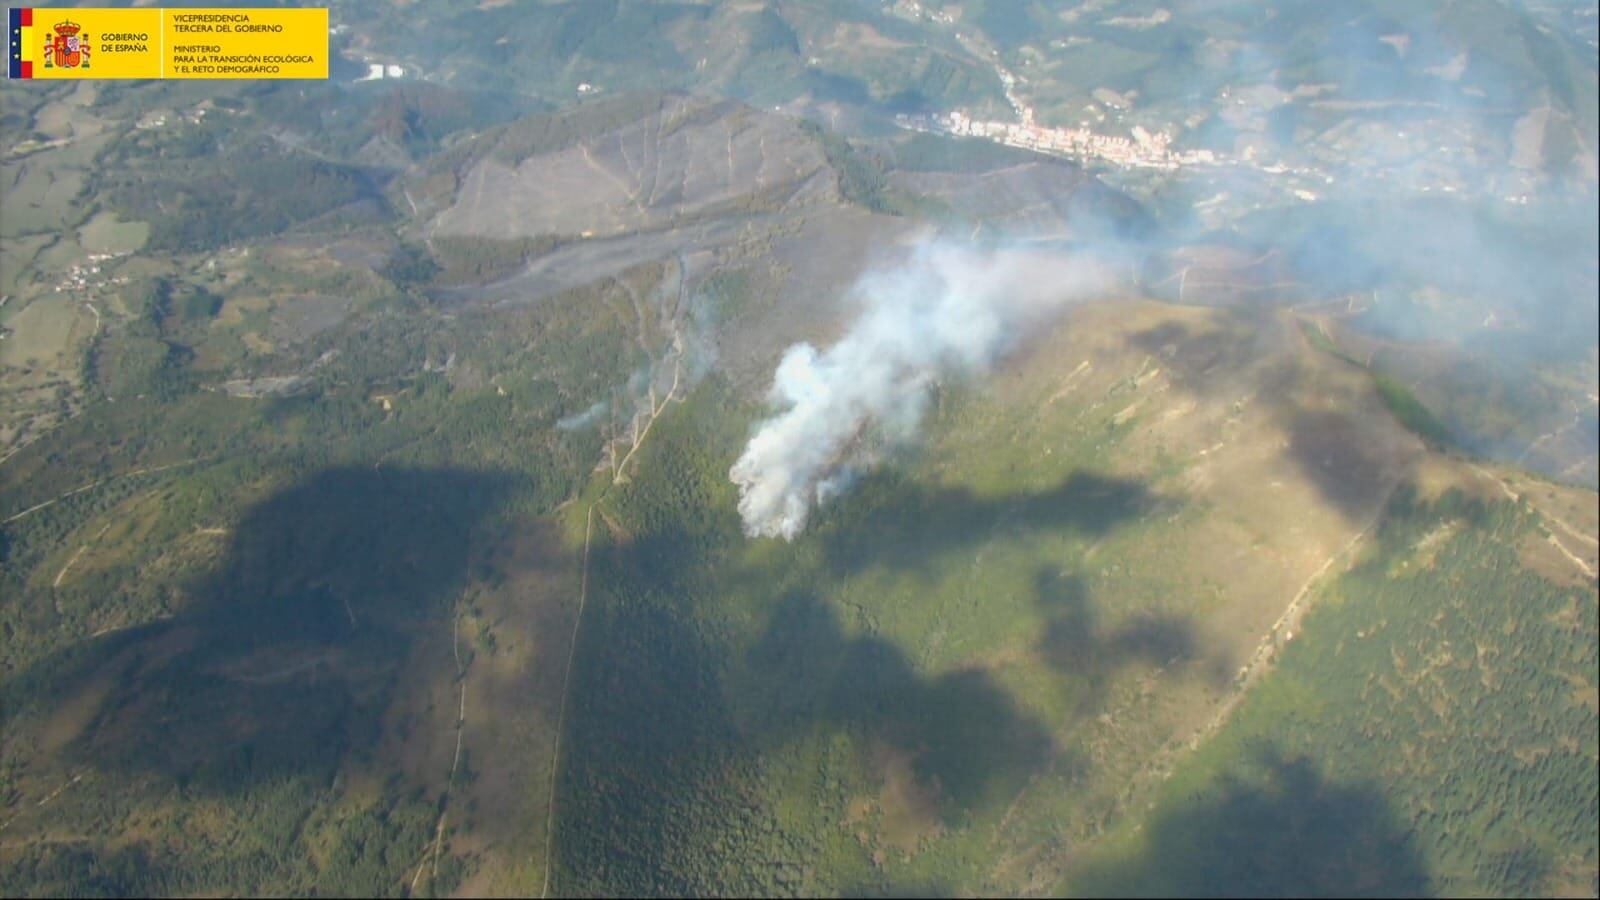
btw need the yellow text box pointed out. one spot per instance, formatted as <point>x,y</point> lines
<point>246,43</point>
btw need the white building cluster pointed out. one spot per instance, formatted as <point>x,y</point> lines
<point>379,71</point>
<point>1143,150</point>
<point>84,277</point>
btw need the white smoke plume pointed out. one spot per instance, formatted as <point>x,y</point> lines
<point>947,311</point>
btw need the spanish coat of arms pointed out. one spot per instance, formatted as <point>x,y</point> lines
<point>66,48</point>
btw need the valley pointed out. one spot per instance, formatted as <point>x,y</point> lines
<point>368,516</point>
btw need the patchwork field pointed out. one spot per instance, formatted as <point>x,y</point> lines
<point>383,541</point>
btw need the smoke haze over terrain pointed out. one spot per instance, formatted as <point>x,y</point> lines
<point>1422,187</point>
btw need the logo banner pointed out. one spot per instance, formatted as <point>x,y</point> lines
<point>167,43</point>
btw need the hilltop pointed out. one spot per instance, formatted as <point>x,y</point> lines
<point>381,539</point>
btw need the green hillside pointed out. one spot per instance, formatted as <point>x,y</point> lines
<point>1432,729</point>
<point>370,507</point>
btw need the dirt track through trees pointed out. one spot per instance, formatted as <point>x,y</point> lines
<point>561,717</point>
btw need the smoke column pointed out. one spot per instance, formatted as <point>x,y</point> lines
<point>947,311</point>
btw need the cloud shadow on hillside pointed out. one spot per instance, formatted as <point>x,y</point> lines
<point>673,721</point>
<point>1077,643</point>
<point>280,660</point>
<point>665,753</point>
<point>1341,437</point>
<point>1287,833</point>
<point>892,522</point>
<point>969,740</point>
